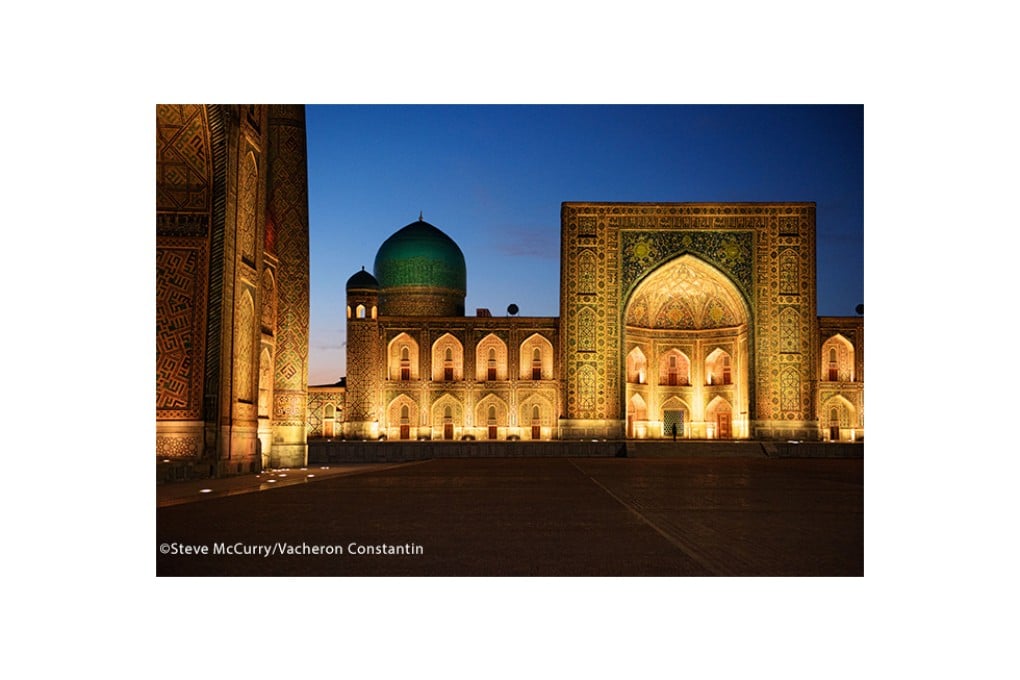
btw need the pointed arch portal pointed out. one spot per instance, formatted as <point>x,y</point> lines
<point>692,322</point>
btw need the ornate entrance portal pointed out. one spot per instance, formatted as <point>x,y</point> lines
<point>689,324</point>
<point>672,423</point>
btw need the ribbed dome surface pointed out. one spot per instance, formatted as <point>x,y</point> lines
<point>421,255</point>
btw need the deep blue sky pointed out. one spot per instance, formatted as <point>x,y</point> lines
<point>493,178</point>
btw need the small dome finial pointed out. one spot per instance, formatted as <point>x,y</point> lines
<point>362,267</point>
<point>419,216</point>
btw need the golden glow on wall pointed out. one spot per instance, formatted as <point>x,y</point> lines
<point>536,366</point>
<point>689,321</point>
<point>837,360</point>
<point>447,359</point>
<point>686,293</point>
<point>403,358</point>
<point>491,359</point>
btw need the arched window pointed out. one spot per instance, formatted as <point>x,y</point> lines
<point>674,368</point>
<point>491,423</point>
<point>837,359</point>
<point>491,353</point>
<point>637,366</point>
<point>448,365</point>
<point>536,358</point>
<point>447,358</point>
<point>361,311</point>
<point>447,422</point>
<point>405,363</point>
<point>717,368</point>
<point>405,422</point>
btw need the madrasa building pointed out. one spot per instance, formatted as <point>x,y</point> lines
<point>693,320</point>
<point>696,318</point>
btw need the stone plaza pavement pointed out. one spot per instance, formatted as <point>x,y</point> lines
<point>522,517</point>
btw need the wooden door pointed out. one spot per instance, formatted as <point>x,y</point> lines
<point>723,420</point>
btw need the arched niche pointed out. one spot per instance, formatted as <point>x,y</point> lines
<point>688,303</point>
<point>490,359</point>
<point>402,358</point>
<point>837,358</point>
<point>447,359</point>
<point>536,358</point>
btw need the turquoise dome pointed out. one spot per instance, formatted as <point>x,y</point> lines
<point>420,255</point>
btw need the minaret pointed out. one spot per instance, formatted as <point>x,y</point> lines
<point>363,361</point>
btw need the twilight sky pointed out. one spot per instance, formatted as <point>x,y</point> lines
<point>493,178</point>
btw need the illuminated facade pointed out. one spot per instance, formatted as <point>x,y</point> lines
<point>693,319</point>
<point>231,287</point>
<point>326,407</point>
<point>840,397</point>
<point>417,368</point>
<point>689,320</point>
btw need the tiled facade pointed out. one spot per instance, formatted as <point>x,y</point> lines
<point>689,320</point>
<point>231,287</point>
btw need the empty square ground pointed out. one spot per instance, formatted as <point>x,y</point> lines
<point>528,517</point>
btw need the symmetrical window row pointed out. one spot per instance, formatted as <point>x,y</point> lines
<point>361,312</point>
<point>674,368</point>
<point>447,415</point>
<point>491,359</point>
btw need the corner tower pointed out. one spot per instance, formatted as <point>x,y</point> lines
<point>363,368</point>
